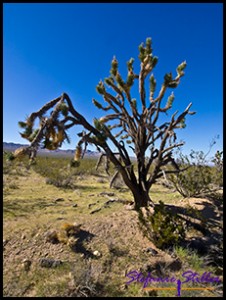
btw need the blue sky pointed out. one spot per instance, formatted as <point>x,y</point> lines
<point>53,48</point>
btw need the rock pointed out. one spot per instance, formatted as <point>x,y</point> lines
<point>173,255</point>
<point>5,242</point>
<point>97,253</point>
<point>106,206</point>
<point>94,211</point>
<point>75,205</point>
<point>110,201</point>
<point>59,200</point>
<point>37,235</point>
<point>110,194</point>
<point>91,204</point>
<point>26,264</point>
<point>23,236</point>
<point>151,251</point>
<point>49,263</point>
<point>56,263</point>
<point>91,195</point>
<point>77,225</point>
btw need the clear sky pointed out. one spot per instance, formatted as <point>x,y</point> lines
<point>53,48</point>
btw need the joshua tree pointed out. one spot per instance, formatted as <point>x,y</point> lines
<point>134,121</point>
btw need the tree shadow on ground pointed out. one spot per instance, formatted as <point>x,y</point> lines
<point>207,220</point>
<point>83,236</point>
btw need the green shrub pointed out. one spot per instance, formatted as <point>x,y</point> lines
<point>9,156</point>
<point>196,179</point>
<point>163,228</point>
<point>218,169</point>
<point>74,163</point>
<point>63,172</point>
<point>62,182</point>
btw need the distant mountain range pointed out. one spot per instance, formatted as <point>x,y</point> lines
<point>69,152</point>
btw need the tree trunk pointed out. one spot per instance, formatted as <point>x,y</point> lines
<point>142,199</point>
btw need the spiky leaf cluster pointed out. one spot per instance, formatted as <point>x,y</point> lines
<point>144,51</point>
<point>152,84</point>
<point>28,129</point>
<point>97,104</point>
<point>64,109</point>
<point>170,100</point>
<point>10,156</point>
<point>146,56</point>
<point>130,64</point>
<point>180,68</point>
<point>182,123</point>
<point>168,78</point>
<point>54,135</point>
<point>114,66</point>
<point>100,87</point>
<point>22,124</point>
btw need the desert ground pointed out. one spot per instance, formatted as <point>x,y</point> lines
<point>109,243</point>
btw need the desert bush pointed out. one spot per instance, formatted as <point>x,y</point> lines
<point>50,167</point>
<point>60,168</point>
<point>15,168</point>
<point>215,257</point>
<point>57,172</point>
<point>190,258</point>
<point>196,179</point>
<point>6,168</point>
<point>163,227</point>
<point>61,182</point>
<point>218,168</point>
<point>85,281</point>
<point>8,155</point>
<point>218,160</point>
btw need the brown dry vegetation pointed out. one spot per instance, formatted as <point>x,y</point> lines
<point>32,208</point>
